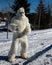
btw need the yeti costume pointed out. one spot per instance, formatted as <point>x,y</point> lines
<point>21,28</point>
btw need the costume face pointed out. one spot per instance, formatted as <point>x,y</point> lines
<point>21,12</point>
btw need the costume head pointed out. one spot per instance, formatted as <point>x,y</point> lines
<point>21,12</point>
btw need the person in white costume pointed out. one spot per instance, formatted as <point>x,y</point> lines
<point>20,27</point>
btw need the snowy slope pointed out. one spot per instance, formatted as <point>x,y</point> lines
<point>39,52</point>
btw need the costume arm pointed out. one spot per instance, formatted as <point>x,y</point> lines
<point>12,26</point>
<point>26,31</point>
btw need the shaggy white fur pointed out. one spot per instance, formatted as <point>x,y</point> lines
<point>21,27</point>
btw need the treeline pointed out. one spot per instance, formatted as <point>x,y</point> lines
<point>40,19</point>
<point>36,24</point>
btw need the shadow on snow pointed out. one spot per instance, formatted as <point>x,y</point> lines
<point>34,57</point>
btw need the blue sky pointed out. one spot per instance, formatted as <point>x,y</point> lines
<point>34,3</point>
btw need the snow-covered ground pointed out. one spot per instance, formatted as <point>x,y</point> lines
<point>2,24</point>
<point>39,52</point>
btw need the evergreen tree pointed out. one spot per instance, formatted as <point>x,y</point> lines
<point>41,14</point>
<point>48,15</point>
<point>21,3</point>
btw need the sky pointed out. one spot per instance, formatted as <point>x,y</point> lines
<point>34,3</point>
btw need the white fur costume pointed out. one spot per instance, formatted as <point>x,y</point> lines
<point>21,28</point>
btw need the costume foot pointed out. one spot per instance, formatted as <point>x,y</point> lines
<point>24,56</point>
<point>12,60</point>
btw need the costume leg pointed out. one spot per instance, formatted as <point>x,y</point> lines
<point>24,45</point>
<point>13,50</point>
